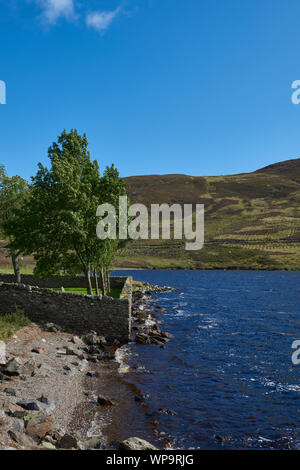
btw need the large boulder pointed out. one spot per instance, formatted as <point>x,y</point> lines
<point>2,353</point>
<point>135,443</point>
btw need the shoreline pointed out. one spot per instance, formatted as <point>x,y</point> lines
<point>54,366</point>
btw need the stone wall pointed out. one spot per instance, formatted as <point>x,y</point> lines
<point>75,313</point>
<point>59,281</point>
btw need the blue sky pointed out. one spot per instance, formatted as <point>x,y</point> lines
<point>200,87</point>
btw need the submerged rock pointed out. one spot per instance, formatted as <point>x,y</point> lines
<point>104,401</point>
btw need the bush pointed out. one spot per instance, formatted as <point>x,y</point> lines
<point>12,322</point>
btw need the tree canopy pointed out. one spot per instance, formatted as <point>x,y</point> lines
<point>58,222</point>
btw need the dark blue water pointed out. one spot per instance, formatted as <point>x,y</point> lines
<point>228,370</point>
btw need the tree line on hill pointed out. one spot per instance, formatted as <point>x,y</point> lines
<point>54,218</point>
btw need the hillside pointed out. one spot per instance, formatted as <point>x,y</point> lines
<point>252,220</point>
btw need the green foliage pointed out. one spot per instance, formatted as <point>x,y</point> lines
<point>12,322</point>
<point>58,222</point>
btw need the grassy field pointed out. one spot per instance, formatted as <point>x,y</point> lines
<point>11,323</point>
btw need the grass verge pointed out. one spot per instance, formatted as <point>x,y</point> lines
<point>12,322</point>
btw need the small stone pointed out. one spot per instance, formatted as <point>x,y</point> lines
<point>92,373</point>
<point>30,366</point>
<point>10,391</point>
<point>38,350</point>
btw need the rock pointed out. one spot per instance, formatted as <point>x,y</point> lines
<point>68,442</point>
<point>70,351</point>
<point>14,367</point>
<point>17,425</point>
<point>92,339</point>
<point>49,401</point>
<point>92,373</point>
<point>38,350</point>
<point>91,443</point>
<point>42,371</point>
<point>4,378</point>
<point>23,440</point>
<point>40,425</point>
<point>48,446</point>
<point>10,391</point>
<point>59,433</point>
<point>30,366</point>
<point>15,411</point>
<point>76,340</point>
<point>104,401</point>
<point>31,405</point>
<point>2,353</point>
<point>52,328</point>
<point>135,443</point>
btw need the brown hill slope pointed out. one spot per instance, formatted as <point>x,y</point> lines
<point>252,220</point>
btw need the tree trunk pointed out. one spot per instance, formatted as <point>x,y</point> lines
<point>89,282</point>
<point>15,262</point>
<point>103,281</point>
<point>108,280</point>
<point>96,282</point>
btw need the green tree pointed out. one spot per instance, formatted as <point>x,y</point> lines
<point>13,193</point>
<point>58,224</point>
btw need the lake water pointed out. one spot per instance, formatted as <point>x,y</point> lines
<point>227,375</point>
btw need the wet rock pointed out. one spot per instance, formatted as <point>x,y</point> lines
<point>135,443</point>
<point>39,425</point>
<point>166,411</point>
<point>141,398</point>
<point>2,353</point>
<point>14,367</point>
<point>68,442</point>
<point>31,405</point>
<point>104,401</point>
<point>10,391</point>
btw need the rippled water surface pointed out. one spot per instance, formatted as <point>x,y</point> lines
<point>227,375</point>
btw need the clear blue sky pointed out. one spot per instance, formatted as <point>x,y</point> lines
<point>201,87</point>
